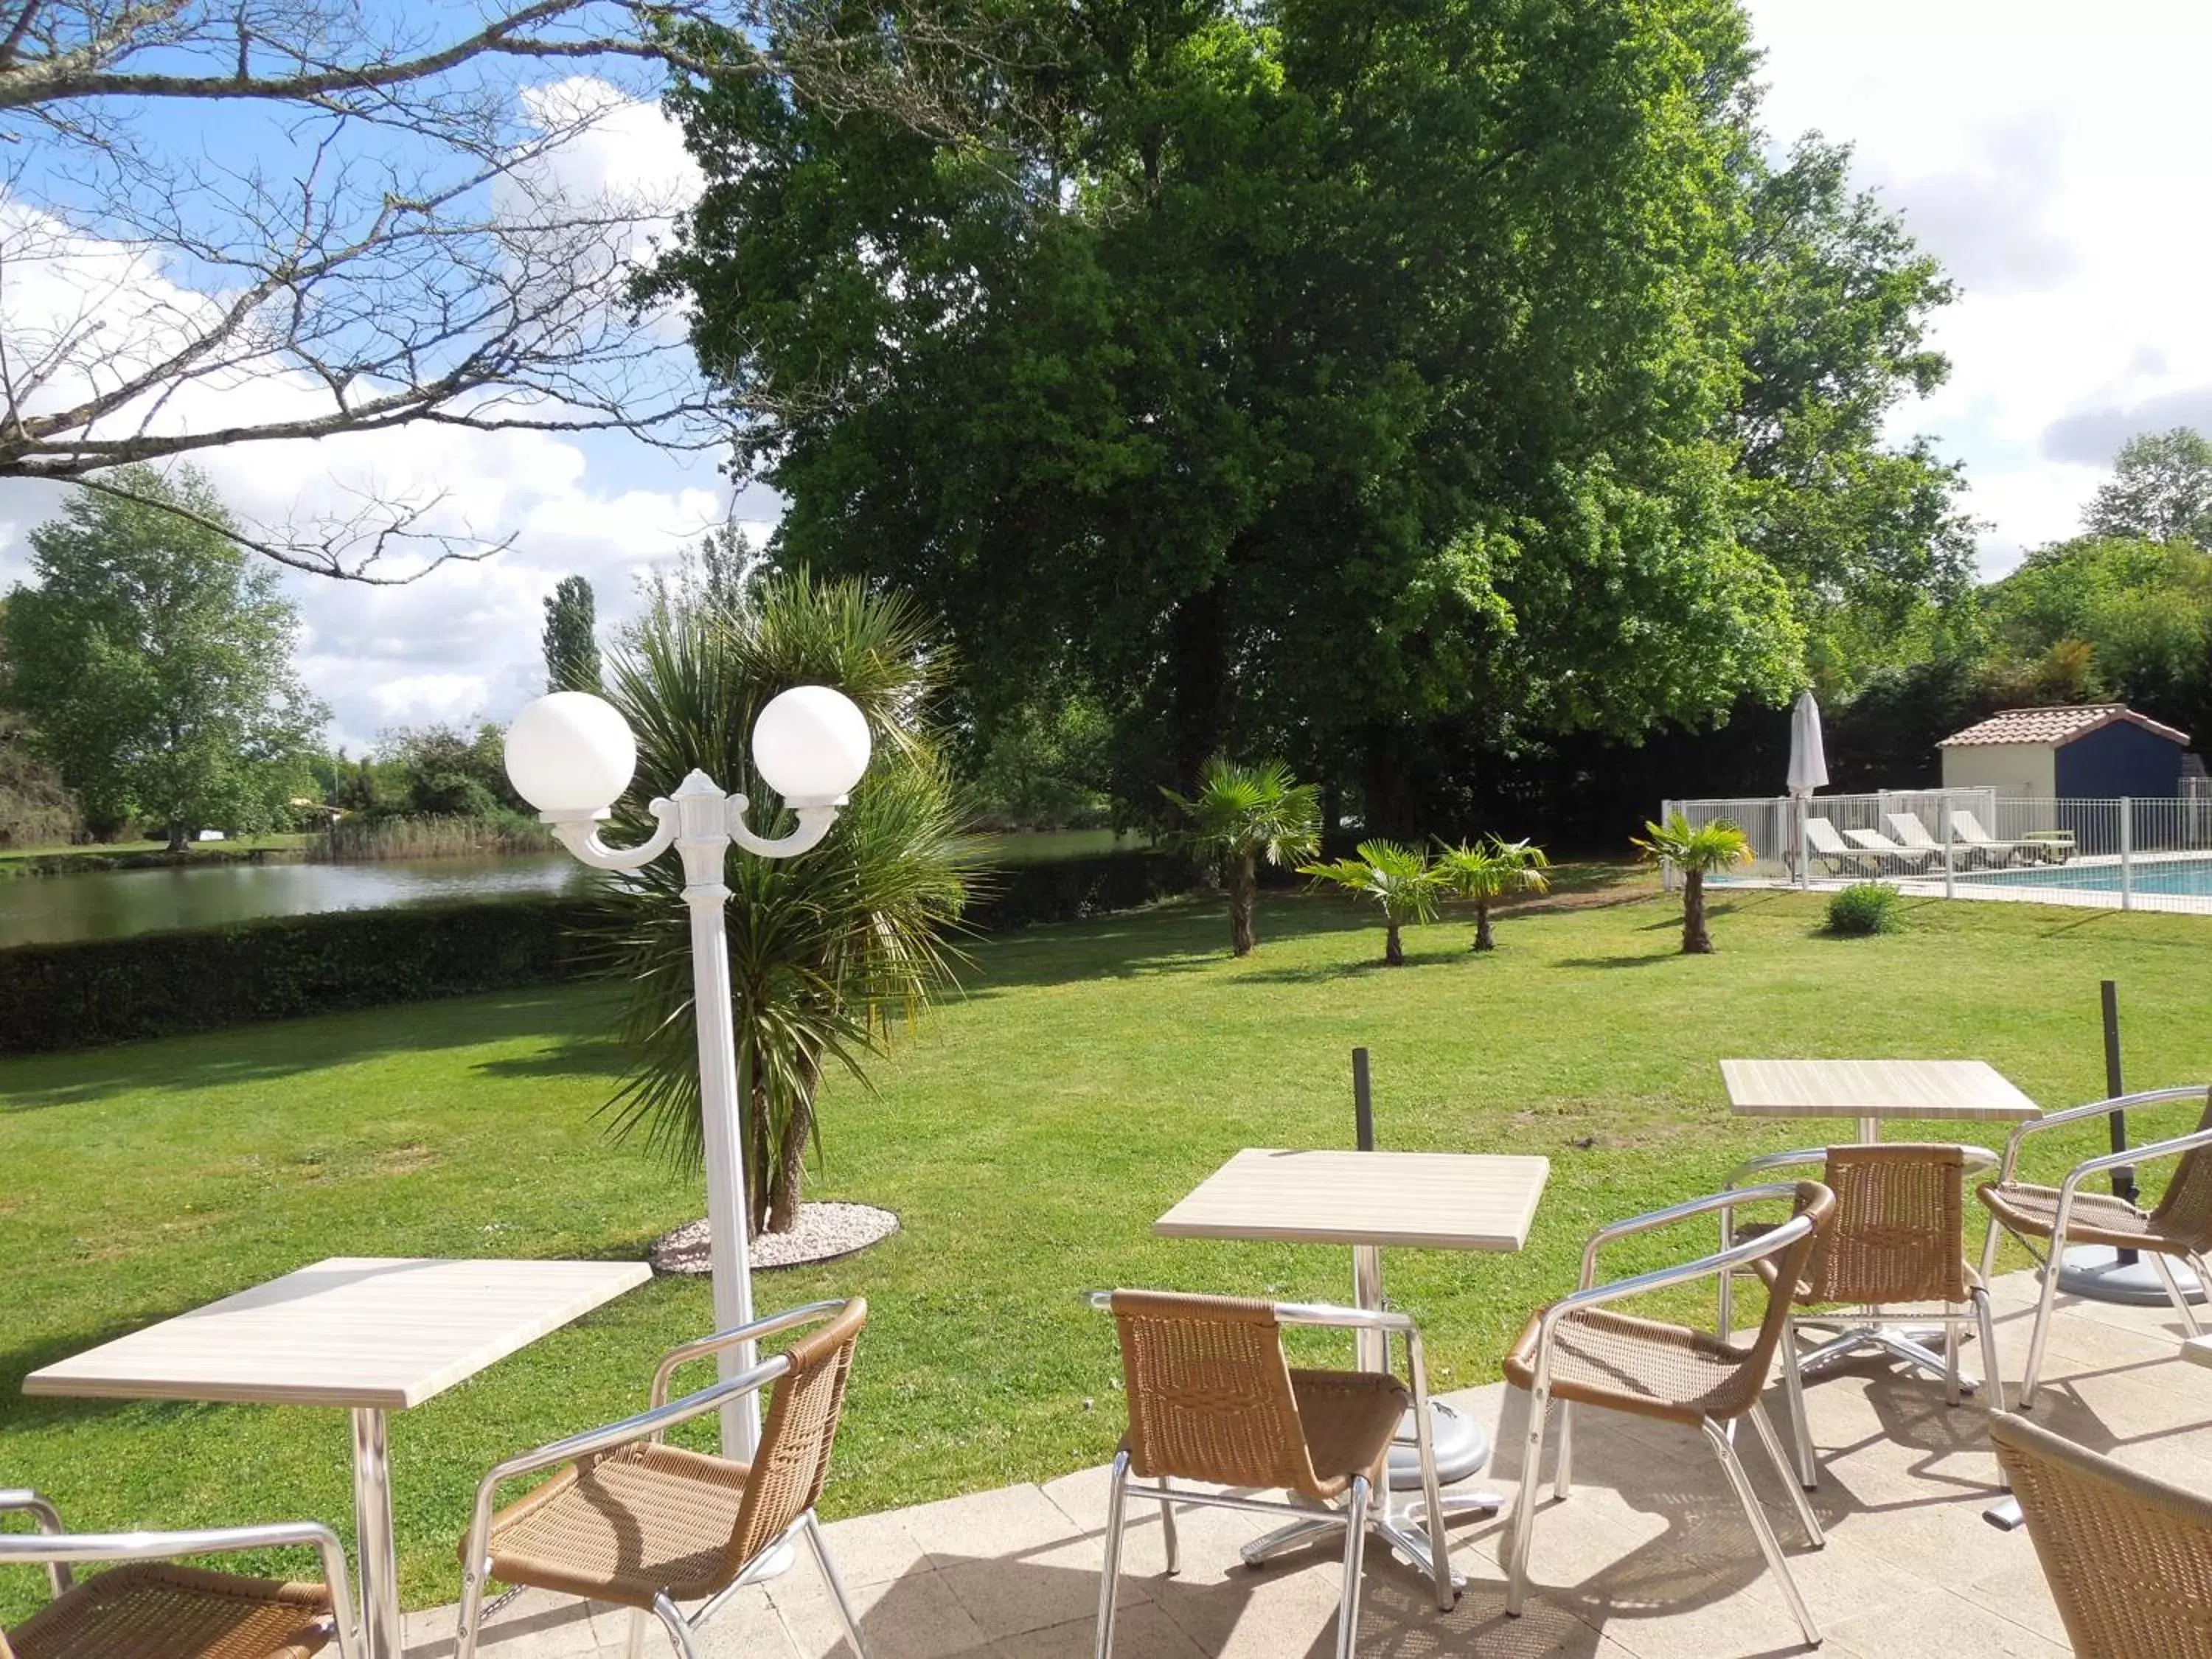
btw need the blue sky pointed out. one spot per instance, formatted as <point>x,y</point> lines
<point>2050,153</point>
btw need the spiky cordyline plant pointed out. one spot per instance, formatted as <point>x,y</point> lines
<point>829,952</point>
<point>1241,815</point>
<point>1489,870</point>
<point>1399,878</point>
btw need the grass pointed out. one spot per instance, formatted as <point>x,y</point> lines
<point>1028,1136</point>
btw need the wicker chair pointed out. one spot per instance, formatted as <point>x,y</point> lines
<point>1899,1238</point>
<point>632,1521</point>
<point>1579,1352</point>
<point>2056,1217</point>
<point>148,1609</point>
<point>1212,1399</point>
<point>2128,1556</point>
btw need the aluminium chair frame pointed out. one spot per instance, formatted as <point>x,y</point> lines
<point>652,1425</point>
<point>1356,1517</point>
<point>1871,1327</point>
<point>1590,1294</point>
<point>58,1551</point>
<point>2047,1260</point>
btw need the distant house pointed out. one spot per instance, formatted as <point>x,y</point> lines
<point>2095,752</point>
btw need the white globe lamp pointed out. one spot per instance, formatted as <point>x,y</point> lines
<point>810,744</point>
<point>571,754</point>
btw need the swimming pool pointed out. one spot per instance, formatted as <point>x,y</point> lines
<point>2179,877</point>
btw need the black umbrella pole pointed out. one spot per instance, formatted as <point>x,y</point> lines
<point>1363,1102</point>
<point>2124,1178</point>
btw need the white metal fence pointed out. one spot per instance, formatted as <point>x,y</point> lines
<point>2139,853</point>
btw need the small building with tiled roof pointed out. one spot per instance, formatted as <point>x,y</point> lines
<point>2096,751</point>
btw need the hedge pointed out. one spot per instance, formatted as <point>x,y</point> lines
<point>112,990</point>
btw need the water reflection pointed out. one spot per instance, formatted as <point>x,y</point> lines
<point>110,904</point>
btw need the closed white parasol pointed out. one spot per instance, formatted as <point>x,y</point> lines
<point>1808,770</point>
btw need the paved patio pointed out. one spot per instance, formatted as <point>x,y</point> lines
<point>1649,1560</point>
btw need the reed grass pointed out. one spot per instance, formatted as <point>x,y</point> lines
<point>361,840</point>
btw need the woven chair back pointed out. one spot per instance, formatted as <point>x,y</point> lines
<point>2185,1213</point>
<point>1791,1263</point>
<point>1209,1392</point>
<point>1899,1234</point>
<point>2129,1558</point>
<point>800,1429</point>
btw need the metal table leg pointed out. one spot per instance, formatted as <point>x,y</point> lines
<point>373,1540</point>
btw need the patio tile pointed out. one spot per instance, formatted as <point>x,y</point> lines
<point>987,1523</point>
<point>1947,1624</point>
<point>872,1549</point>
<point>1141,1632</point>
<point>914,1617</point>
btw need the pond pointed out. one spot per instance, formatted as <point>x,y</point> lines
<point>111,904</point>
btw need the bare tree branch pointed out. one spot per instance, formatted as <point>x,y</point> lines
<point>416,242</point>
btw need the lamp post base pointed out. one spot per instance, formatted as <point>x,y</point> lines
<point>2095,1271</point>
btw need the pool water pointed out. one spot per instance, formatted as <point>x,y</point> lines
<point>2187,878</point>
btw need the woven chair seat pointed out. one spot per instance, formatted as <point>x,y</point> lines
<point>1349,1418</point>
<point>1599,1357</point>
<point>641,1520</point>
<point>2096,1218</point>
<point>155,1610</point>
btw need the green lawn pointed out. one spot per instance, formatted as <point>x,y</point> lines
<point>1028,1136</point>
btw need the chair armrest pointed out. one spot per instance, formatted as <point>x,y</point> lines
<point>62,1548</point>
<point>1724,1203</point>
<point>1716,1265</point>
<point>774,1325</point>
<point>2148,1154</point>
<point>2036,1126</point>
<point>48,1519</point>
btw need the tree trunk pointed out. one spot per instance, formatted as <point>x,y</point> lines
<point>784,1194</point>
<point>756,1161</point>
<point>1394,948</point>
<point>177,842</point>
<point>1483,941</point>
<point>1244,899</point>
<point>1696,941</point>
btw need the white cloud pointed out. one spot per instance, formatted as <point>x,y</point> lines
<point>2052,154</point>
<point>462,643</point>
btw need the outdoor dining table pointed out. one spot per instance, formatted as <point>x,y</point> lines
<point>1869,1091</point>
<point>1369,1200</point>
<point>371,1334</point>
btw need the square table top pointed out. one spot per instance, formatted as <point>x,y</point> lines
<point>381,1332</point>
<point>1961,1090</point>
<point>1435,1201</point>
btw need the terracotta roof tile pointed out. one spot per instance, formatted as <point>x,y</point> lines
<point>2055,726</point>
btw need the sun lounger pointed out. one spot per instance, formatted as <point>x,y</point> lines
<point>1986,848</point>
<point>1822,843</point>
<point>1912,834</point>
<point>1911,860</point>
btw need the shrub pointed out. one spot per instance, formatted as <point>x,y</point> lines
<point>1067,890</point>
<point>1864,907</point>
<point>112,990</point>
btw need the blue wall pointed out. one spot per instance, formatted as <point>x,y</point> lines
<point>2119,759</point>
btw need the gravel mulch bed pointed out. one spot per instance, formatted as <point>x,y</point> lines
<point>824,1232</point>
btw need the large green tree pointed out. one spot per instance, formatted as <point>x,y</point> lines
<point>1349,382</point>
<point>155,663</point>
<point>571,637</point>
<point>2160,490</point>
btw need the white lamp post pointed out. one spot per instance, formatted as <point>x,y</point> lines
<point>571,755</point>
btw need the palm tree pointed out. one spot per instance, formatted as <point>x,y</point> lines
<point>827,951</point>
<point>1487,871</point>
<point>1241,815</point>
<point>1718,845</point>
<point>1399,878</point>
